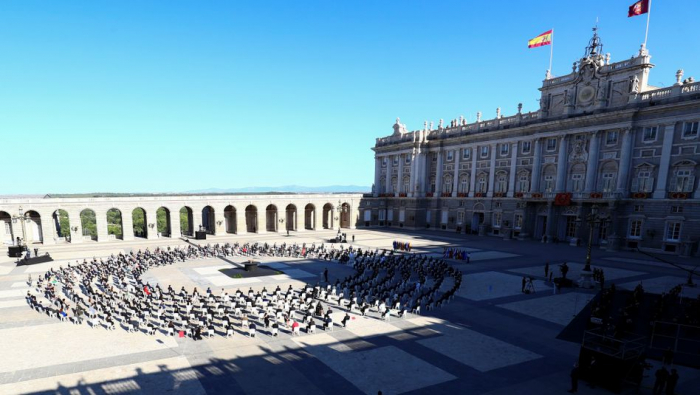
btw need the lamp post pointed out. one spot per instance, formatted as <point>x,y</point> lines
<point>593,220</point>
<point>22,218</point>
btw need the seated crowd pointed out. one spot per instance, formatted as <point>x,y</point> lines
<point>109,292</point>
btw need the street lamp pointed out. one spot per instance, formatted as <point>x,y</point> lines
<point>341,210</point>
<point>593,220</point>
<point>22,218</point>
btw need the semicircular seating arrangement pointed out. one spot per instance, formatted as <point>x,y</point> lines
<point>109,292</point>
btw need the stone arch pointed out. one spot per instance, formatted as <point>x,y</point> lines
<point>208,220</point>
<point>114,223</point>
<point>291,217</point>
<point>6,235</point>
<point>271,218</point>
<point>163,224</point>
<point>345,215</point>
<point>230,219</point>
<point>186,221</point>
<point>139,222</point>
<point>327,216</point>
<point>310,217</point>
<point>33,231</point>
<point>251,219</point>
<point>88,221</point>
<point>61,223</point>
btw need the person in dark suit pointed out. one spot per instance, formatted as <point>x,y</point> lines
<point>671,382</point>
<point>574,379</point>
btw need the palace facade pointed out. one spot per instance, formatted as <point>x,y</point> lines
<point>607,157</point>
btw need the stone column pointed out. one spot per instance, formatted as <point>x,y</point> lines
<point>560,185</point>
<point>592,165</point>
<point>75,236</point>
<point>127,224</point>
<point>196,218</point>
<point>151,218</point>
<point>377,175</point>
<point>389,170</point>
<point>101,223</point>
<point>513,167</point>
<point>261,219</point>
<point>174,223</point>
<point>625,162</point>
<point>550,222</point>
<point>492,170</point>
<point>455,173</point>
<point>664,165</point>
<point>219,229</point>
<point>439,173</point>
<point>472,178</point>
<point>317,217</point>
<point>536,167</point>
<point>399,179</point>
<point>48,228</point>
<point>414,171</point>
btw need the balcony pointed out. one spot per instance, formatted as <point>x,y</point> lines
<point>678,195</point>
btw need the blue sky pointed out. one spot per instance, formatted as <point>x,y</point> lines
<point>165,96</point>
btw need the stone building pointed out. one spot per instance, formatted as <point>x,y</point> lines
<point>36,220</point>
<point>606,154</point>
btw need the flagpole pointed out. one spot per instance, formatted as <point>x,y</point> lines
<point>646,34</point>
<point>551,52</point>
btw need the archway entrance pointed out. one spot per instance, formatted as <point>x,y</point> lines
<point>33,227</point>
<point>62,225</point>
<point>88,221</point>
<point>208,220</point>
<point>251,219</point>
<point>230,219</point>
<point>345,215</point>
<point>186,221</point>
<point>477,219</point>
<point>291,217</point>
<point>6,236</point>
<point>163,221</point>
<point>138,216</point>
<point>114,223</point>
<point>271,218</point>
<point>327,216</point>
<point>309,216</point>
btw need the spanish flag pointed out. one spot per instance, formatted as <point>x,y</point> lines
<point>543,39</point>
<point>638,8</point>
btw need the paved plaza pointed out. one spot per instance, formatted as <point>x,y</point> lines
<point>491,339</point>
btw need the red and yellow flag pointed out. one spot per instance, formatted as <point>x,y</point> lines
<point>638,8</point>
<point>543,39</point>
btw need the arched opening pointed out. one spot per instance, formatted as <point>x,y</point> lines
<point>208,219</point>
<point>327,216</point>
<point>230,218</point>
<point>271,218</point>
<point>251,219</point>
<point>62,225</point>
<point>114,223</point>
<point>345,215</point>
<point>88,221</point>
<point>163,221</point>
<point>309,216</point>
<point>6,236</point>
<point>291,217</point>
<point>138,216</point>
<point>186,222</point>
<point>33,227</point>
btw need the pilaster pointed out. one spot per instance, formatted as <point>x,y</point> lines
<point>536,167</point>
<point>492,170</point>
<point>472,177</point>
<point>665,163</point>
<point>592,165</point>
<point>513,168</point>
<point>560,185</point>
<point>625,161</point>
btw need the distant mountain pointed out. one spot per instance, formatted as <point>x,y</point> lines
<point>288,188</point>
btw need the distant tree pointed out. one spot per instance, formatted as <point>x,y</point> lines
<point>138,217</point>
<point>63,224</point>
<point>114,222</point>
<point>162,220</point>
<point>184,220</point>
<point>89,223</point>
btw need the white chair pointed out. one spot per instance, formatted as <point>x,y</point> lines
<point>229,332</point>
<point>171,332</point>
<point>275,332</point>
<point>210,333</point>
<point>416,311</point>
<point>312,329</point>
<point>295,331</point>
<point>251,332</point>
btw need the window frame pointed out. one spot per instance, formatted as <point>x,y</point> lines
<point>677,229</point>
<point>547,144</point>
<point>634,231</point>
<point>484,152</point>
<point>609,133</point>
<point>529,147</point>
<point>687,136</point>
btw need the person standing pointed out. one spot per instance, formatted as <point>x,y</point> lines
<point>660,383</point>
<point>574,379</point>
<point>546,270</point>
<point>522,288</point>
<point>671,382</point>
<point>353,238</point>
<point>325,274</point>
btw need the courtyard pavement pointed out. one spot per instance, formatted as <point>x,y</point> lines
<point>491,339</point>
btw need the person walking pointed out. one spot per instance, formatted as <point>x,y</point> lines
<point>574,379</point>
<point>325,274</point>
<point>353,238</point>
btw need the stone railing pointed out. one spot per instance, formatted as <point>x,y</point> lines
<point>672,91</point>
<point>560,80</point>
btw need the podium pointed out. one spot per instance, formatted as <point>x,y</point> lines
<point>15,251</point>
<point>200,235</point>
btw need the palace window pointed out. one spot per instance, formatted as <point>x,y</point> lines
<point>450,156</point>
<point>432,184</point>
<point>394,185</point>
<point>611,137</point>
<point>497,217</point>
<point>466,153</point>
<point>501,183</point>
<point>571,226</point>
<point>527,145</point>
<point>608,182</point>
<point>523,183</point>
<point>649,134</point>
<point>504,149</point>
<point>484,151</point>
<point>638,208</point>
<point>464,184</point>
<point>577,182</point>
<point>384,161</point>
<point>481,184</point>
<point>551,144</point>
<point>406,185</point>
<point>673,231</point>
<point>548,183</point>
<point>643,182</point>
<point>683,179</point>
<point>460,217</point>
<point>690,129</point>
<point>447,184</point>
<point>518,221</point>
<point>635,228</point>
<point>676,209</point>
<point>408,159</point>
<point>396,161</point>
